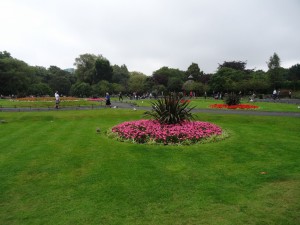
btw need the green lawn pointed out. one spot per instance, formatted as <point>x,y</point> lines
<point>47,104</point>
<point>198,103</point>
<point>263,106</point>
<point>56,169</point>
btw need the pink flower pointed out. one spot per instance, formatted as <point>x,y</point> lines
<point>143,130</point>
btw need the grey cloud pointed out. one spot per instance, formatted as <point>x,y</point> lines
<point>146,35</point>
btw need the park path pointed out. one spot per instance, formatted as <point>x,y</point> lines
<point>124,105</point>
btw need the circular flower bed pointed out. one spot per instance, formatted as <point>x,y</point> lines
<point>151,131</point>
<point>239,106</point>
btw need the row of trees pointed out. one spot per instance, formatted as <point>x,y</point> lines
<point>94,76</point>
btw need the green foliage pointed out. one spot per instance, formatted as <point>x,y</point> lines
<point>175,84</point>
<point>157,90</point>
<point>232,99</point>
<point>294,75</point>
<point>14,75</point>
<point>81,89</point>
<point>103,87</point>
<point>191,85</point>
<point>276,77</point>
<point>136,82</point>
<point>91,68</point>
<point>4,54</point>
<point>85,67</point>
<point>236,65</point>
<point>171,110</point>
<point>40,89</point>
<point>195,71</point>
<point>164,74</point>
<point>19,79</point>
<point>120,74</point>
<point>103,70</point>
<point>61,84</point>
<point>274,61</point>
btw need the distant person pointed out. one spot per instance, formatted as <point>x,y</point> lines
<point>120,96</point>
<point>57,100</point>
<point>290,94</point>
<point>205,95</point>
<point>252,97</point>
<point>107,100</point>
<point>274,94</point>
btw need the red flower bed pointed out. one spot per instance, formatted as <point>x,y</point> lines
<point>240,106</point>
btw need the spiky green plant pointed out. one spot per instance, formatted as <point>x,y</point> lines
<point>232,99</point>
<point>171,110</point>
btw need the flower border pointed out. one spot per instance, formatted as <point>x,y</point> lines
<point>239,106</point>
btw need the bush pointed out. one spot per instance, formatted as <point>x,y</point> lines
<point>81,89</point>
<point>171,110</point>
<point>232,99</point>
<point>40,89</point>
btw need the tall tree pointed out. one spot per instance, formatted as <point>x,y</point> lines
<point>41,73</point>
<point>175,84</point>
<point>120,74</point>
<point>91,68</point>
<point>137,82</point>
<point>60,80</point>
<point>195,71</point>
<point>15,76</point>
<point>81,89</point>
<point>274,61</point>
<point>162,75</point>
<point>294,75</point>
<point>103,70</point>
<point>85,67</point>
<point>4,54</point>
<point>275,72</point>
<point>258,82</point>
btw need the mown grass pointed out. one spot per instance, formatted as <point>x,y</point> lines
<point>278,106</point>
<point>56,169</point>
<point>4,103</point>
<point>201,103</point>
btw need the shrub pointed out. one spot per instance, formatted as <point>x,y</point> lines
<point>171,110</point>
<point>232,99</point>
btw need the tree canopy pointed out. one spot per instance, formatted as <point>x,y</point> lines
<point>236,65</point>
<point>94,76</point>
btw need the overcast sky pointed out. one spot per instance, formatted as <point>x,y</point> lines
<point>146,35</point>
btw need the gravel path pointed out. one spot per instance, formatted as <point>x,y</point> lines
<point>116,105</point>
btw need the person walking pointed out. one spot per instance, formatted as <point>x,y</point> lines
<point>107,100</point>
<point>120,96</point>
<point>57,100</point>
<point>274,94</point>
